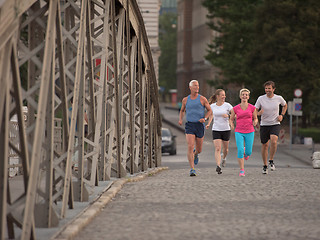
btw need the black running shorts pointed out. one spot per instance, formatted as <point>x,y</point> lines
<point>223,135</point>
<point>266,131</point>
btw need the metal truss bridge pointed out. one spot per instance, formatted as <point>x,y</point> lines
<point>78,105</point>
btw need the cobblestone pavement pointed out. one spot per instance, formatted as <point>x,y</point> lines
<point>284,204</point>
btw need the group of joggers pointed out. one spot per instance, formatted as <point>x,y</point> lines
<point>223,115</point>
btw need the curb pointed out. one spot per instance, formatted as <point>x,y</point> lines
<point>172,108</point>
<point>289,152</point>
<point>71,229</point>
<point>170,123</point>
<point>177,127</point>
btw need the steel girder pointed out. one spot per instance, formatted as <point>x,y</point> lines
<point>96,53</point>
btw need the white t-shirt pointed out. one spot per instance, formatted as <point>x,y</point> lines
<point>270,108</point>
<point>220,123</point>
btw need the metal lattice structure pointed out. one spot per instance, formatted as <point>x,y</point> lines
<point>95,53</point>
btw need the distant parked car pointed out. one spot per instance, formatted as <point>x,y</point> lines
<point>168,143</point>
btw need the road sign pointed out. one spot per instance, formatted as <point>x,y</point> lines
<point>297,100</point>
<point>297,92</point>
<point>298,107</point>
<point>295,107</point>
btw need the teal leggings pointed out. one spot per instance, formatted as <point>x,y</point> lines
<point>242,138</point>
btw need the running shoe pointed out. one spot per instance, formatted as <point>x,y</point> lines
<point>223,163</point>
<point>242,174</point>
<point>265,170</point>
<point>193,172</point>
<point>196,157</point>
<point>272,166</point>
<point>218,170</point>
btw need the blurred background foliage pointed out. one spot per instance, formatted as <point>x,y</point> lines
<point>168,47</point>
<point>276,40</point>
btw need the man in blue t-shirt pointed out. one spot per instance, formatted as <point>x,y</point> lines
<point>194,107</point>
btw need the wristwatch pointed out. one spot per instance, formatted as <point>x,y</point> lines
<point>205,119</point>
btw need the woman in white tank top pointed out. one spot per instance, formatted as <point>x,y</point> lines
<point>220,127</point>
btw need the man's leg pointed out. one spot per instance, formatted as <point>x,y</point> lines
<point>190,141</point>
<point>199,142</point>
<point>273,149</point>
<point>265,138</point>
<point>264,153</point>
<point>273,146</point>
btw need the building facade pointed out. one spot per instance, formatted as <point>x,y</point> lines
<point>150,13</point>
<point>193,38</point>
<point>168,6</point>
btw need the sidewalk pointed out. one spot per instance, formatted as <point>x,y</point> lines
<point>84,212</point>
<point>171,205</point>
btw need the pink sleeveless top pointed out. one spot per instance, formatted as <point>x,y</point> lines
<point>244,119</point>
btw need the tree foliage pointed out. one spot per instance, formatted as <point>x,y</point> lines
<point>168,47</point>
<point>287,43</point>
<point>261,40</point>
<point>233,21</point>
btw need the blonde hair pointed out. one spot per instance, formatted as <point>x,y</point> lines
<point>244,90</point>
<point>191,82</point>
<point>213,98</point>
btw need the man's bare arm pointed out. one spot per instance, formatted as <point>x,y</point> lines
<point>182,110</point>
<point>207,106</point>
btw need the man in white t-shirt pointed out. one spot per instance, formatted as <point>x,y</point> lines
<point>268,105</point>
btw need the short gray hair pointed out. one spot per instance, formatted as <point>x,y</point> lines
<point>192,81</point>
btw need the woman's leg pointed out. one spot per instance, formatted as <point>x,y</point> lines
<point>240,141</point>
<point>225,150</point>
<point>249,138</point>
<point>217,151</point>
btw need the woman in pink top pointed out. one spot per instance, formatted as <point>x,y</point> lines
<point>246,118</point>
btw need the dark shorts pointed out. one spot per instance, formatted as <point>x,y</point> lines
<point>195,128</point>
<point>223,135</point>
<point>266,131</point>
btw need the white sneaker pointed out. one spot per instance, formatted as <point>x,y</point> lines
<point>223,162</point>
<point>272,166</point>
<point>265,170</point>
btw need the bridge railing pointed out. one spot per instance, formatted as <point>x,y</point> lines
<point>86,64</point>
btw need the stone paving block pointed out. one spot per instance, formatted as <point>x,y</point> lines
<point>171,205</point>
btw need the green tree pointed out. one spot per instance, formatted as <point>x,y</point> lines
<point>286,47</point>
<point>263,40</point>
<point>168,47</point>
<point>233,21</point>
